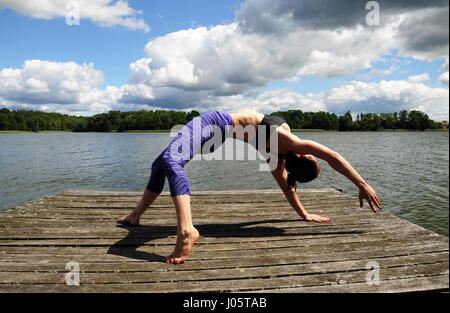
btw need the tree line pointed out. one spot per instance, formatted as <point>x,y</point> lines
<point>25,120</point>
<point>413,120</point>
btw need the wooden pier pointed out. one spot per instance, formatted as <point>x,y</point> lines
<point>250,241</point>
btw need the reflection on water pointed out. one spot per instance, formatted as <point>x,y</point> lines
<point>409,170</point>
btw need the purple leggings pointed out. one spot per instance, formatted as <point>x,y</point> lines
<point>190,141</point>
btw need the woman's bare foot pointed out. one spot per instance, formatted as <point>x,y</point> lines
<point>131,219</point>
<point>185,242</point>
<point>134,217</point>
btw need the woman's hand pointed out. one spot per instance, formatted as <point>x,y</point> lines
<point>368,193</point>
<point>316,218</point>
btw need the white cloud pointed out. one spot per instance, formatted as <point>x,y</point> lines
<point>223,60</point>
<point>421,27</point>
<point>140,71</point>
<point>267,102</point>
<point>388,96</point>
<point>445,65</point>
<point>71,88</point>
<point>356,96</point>
<point>420,78</point>
<point>280,16</point>
<point>105,13</point>
<point>48,82</point>
<point>67,87</point>
<point>375,72</point>
<point>220,59</point>
<point>444,78</point>
<point>423,34</point>
<point>136,93</point>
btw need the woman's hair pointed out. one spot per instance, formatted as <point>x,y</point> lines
<point>300,169</point>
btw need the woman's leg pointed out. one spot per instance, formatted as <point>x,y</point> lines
<point>154,188</point>
<point>134,217</point>
<point>187,234</point>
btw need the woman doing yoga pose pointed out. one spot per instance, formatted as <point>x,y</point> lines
<point>296,162</point>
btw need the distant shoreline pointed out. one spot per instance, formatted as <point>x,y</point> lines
<point>163,121</point>
<point>168,131</point>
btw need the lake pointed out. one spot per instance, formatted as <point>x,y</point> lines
<point>409,170</point>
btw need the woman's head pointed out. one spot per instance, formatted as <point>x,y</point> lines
<point>301,168</point>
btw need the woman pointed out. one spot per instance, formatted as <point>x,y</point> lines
<point>296,162</point>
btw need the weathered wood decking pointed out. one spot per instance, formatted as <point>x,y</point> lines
<point>251,241</point>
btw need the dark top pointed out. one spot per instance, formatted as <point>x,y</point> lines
<point>267,121</point>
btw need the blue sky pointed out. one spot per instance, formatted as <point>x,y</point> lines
<point>225,55</point>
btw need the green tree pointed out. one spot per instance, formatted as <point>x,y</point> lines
<point>417,120</point>
<point>345,121</point>
<point>402,119</point>
<point>370,121</point>
<point>5,124</point>
<point>387,120</point>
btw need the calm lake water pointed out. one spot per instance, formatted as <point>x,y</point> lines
<point>409,170</point>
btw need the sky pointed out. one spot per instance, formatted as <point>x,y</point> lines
<point>85,57</point>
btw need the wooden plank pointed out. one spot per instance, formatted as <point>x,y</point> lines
<point>167,231</point>
<point>244,285</point>
<point>146,275</point>
<point>415,284</point>
<point>63,226</point>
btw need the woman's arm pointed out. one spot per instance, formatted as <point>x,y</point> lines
<point>339,164</point>
<point>280,175</point>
